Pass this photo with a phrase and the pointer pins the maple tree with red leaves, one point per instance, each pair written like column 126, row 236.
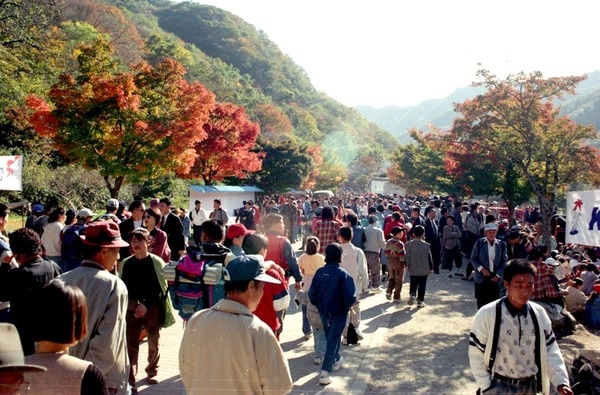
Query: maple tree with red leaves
column 227, row 149
column 514, row 128
column 130, row 126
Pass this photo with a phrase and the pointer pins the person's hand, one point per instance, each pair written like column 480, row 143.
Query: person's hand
column 7, row 257
column 485, row 272
column 181, row 252
column 495, row 278
column 140, row 311
column 297, row 286
column 564, row 390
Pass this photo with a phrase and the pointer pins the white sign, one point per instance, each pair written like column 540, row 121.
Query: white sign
column 11, row 172
column 583, row 218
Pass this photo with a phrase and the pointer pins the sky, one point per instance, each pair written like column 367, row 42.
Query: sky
column 401, row 52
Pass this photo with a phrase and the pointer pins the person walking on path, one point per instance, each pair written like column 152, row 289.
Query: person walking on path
column 512, row 349
column 374, row 244
column 332, row 291
column 489, row 259
column 419, row 264
column 226, row 349
column 394, row 250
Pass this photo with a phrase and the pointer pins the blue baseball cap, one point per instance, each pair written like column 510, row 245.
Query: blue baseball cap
column 247, row 267
column 38, row 208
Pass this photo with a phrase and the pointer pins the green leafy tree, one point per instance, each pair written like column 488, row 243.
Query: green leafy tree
column 128, row 126
column 286, row 165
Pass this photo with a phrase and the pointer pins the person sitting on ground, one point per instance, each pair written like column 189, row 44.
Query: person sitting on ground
column 61, row 322
column 575, row 298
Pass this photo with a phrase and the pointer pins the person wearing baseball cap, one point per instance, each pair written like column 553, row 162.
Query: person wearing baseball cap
column 12, row 362
column 234, row 237
column 106, row 294
column 222, row 364
column 489, row 258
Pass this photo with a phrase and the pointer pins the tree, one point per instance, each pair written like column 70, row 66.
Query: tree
column 128, row 126
column 420, row 167
column 24, row 22
column 516, row 120
column 286, row 165
column 227, row 149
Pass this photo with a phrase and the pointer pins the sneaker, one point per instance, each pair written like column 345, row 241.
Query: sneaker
column 358, row 334
column 411, row 300
column 457, row 274
column 317, row 360
column 338, row 364
column 420, row 304
column 377, row 290
column 324, row 378
column 307, row 335
column 345, row 341
column 388, row 295
column 397, row 300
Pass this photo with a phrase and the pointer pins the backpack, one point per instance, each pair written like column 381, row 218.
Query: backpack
column 195, row 282
column 70, row 247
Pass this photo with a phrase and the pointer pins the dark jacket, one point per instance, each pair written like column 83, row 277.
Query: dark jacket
column 332, row 290
column 175, row 238
column 21, row 287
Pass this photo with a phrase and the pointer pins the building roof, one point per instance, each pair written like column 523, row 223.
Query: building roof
column 223, row 188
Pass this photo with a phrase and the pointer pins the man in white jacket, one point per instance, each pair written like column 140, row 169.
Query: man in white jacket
column 512, row 349
column 355, row 263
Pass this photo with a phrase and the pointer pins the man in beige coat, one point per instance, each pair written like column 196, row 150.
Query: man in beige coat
column 226, row 349
column 419, row 265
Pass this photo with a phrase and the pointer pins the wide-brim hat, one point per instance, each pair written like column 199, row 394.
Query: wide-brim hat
column 11, row 352
column 103, row 234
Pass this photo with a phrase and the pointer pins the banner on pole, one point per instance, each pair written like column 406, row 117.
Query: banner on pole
column 11, row 172
column 583, row 218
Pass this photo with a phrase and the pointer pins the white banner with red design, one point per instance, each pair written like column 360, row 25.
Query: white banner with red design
column 583, row 218
column 11, row 173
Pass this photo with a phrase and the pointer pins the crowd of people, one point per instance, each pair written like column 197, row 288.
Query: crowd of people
column 113, row 265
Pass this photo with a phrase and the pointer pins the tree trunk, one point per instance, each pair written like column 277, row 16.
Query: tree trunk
column 116, row 187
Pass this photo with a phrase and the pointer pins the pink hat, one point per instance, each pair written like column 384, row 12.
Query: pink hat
column 103, row 234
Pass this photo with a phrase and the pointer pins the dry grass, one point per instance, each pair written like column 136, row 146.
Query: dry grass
column 15, row 222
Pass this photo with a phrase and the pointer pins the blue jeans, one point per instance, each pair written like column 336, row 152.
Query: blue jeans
column 305, row 324
column 333, row 327
column 320, row 342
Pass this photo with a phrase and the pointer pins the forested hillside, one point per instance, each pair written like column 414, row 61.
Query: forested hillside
column 584, row 108
column 329, row 145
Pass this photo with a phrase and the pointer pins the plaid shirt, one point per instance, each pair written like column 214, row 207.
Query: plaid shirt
column 545, row 287
column 394, row 250
column 326, row 231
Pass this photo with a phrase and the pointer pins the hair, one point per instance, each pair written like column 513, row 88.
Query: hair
column 71, row 215
column 396, row 216
column 371, row 210
column 419, row 231
column 396, row 230
column 312, row 245
column 197, row 202
column 88, row 251
column 352, row 218
column 60, row 313
column 135, row 205
column 213, row 230
column 333, row 253
column 3, row 210
column 53, row 217
column 271, row 220
column 450, row 218
column 25, row 241
column 590, row 267
column 516, row 267
column 240, row 286
column 372, row 219
column 253, row 243
column 153, row 214
column 444, row 210
column 577, row 281
column 217, row 201
column 140, row 234
column 345, row 232
column 166, row 201
column 327, row 212
column 380, row 208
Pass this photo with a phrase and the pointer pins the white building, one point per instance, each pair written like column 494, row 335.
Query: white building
column 232, row 197
column 383, row 186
